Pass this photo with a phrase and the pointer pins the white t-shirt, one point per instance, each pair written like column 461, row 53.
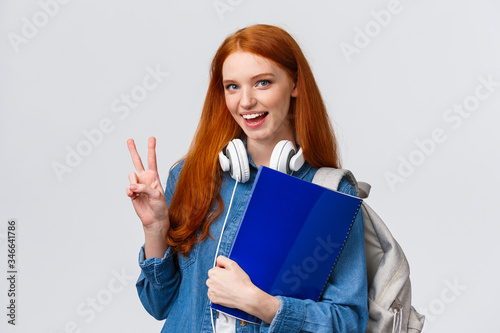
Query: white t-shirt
column 225, row 323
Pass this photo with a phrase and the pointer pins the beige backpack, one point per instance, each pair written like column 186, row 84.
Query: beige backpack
column 388, row 271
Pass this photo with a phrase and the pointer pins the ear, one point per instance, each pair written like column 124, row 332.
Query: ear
column 294, row 91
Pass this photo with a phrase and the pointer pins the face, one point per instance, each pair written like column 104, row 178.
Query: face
column 258, row 94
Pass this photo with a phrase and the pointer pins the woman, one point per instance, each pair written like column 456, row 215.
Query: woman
column 261, row 91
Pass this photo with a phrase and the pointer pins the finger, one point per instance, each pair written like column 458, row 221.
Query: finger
column 133, row 179
column 136, row 159
column 224, row 262
column 131, row 194
column 212, row 272
column 210, row 295
column 145, row 189
column 152, row 153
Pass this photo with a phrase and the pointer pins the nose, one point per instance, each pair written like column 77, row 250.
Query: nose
column 247, row 99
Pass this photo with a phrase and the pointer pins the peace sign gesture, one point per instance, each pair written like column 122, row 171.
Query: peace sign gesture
column 146, row 192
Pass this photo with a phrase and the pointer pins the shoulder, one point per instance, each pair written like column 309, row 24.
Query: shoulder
column 176, row 169
column 173, row 175
column 346, row 187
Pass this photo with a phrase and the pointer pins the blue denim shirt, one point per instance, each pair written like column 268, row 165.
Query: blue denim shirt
column 174, row 287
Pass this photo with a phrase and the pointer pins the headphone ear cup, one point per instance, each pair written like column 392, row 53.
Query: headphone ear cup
column 224, row 162
column 297, row 160
column 235, row 160
column 281, row 156
column 241, row 156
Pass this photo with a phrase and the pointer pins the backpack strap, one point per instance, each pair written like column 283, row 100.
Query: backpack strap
column 331, row 177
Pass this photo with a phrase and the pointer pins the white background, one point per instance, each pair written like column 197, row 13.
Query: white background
column 77, row 231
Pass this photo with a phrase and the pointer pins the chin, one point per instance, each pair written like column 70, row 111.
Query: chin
column 257, row 136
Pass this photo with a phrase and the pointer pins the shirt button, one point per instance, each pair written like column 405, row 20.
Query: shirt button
column 243, row 323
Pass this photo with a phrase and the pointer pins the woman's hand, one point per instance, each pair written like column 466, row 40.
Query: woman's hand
column 148, row 199
column 230, row 286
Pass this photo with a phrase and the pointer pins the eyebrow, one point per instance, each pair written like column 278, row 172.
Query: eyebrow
column 252, row 78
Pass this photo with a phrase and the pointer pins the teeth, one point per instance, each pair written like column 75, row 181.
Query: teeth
column 253, row 115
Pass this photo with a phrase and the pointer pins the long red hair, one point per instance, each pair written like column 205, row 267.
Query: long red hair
column 196, row 202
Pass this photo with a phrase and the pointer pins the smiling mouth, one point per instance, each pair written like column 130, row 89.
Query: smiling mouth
column 254, row 118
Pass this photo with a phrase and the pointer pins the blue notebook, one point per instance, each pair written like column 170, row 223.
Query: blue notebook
column 291, row 236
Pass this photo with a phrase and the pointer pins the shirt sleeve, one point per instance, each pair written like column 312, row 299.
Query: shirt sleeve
column 158, row 284
column 159, row 281
column 343, row 306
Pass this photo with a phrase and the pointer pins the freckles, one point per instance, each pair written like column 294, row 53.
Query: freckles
column 280, row 98
column 230, row 106
column 231, row 101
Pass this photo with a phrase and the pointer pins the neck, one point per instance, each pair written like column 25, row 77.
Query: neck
column 261, row 151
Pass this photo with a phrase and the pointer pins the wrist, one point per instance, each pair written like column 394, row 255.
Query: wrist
column 156, row 229
column 262, row 305
column 155, row 243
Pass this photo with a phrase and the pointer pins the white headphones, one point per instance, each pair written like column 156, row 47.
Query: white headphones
column 284, row 159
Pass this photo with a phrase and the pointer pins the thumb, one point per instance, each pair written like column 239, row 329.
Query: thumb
column 150, row 191
column 224, row 262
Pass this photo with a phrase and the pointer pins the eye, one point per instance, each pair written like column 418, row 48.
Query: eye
column 263, row 83
column 231, row 86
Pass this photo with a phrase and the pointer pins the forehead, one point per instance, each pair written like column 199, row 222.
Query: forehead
column 241, row 63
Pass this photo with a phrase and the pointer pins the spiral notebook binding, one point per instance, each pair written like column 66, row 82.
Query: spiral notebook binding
column 340, row 252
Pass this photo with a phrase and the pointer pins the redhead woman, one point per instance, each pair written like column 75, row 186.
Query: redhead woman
column 261, row 93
